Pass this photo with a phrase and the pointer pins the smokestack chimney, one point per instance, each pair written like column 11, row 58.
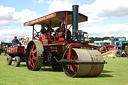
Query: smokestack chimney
column 75, row 16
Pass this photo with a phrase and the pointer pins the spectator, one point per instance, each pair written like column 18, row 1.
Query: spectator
column 15, row 41
column 22, row 42
column 26, row 42
column 5, row 50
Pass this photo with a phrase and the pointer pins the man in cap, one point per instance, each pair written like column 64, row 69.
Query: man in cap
column 15, row 41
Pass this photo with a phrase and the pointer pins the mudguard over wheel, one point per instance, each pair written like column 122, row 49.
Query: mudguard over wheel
column 82, row 69
column 9, row 60
column 34, row 58
column 17, row 61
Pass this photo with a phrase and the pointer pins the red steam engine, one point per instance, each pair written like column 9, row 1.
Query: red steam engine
column 61, row 49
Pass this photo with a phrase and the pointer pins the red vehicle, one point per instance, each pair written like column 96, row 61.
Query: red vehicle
column 60, row 49
column 104, row 46
column 18, row 53
column 107, row 47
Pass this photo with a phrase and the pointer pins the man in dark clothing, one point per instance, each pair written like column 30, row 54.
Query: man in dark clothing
column 49, row 29
column 15, row 42
column 43, row 30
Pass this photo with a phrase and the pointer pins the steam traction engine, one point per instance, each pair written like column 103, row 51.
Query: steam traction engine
column 60, row 49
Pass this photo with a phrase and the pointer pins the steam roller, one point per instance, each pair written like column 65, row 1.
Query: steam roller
column 61, row 49
column 77, row 63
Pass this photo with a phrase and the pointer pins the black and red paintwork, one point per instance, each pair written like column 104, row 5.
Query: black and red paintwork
column 58, row 48
column 57, row 45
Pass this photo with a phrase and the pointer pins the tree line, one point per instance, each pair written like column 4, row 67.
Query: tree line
column 92, row 39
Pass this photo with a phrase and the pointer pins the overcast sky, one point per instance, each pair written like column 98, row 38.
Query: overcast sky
column 105, row 17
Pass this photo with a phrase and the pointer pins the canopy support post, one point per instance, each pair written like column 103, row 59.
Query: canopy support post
column 33, row 33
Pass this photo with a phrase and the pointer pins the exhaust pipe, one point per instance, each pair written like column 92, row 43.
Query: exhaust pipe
column 75, row 21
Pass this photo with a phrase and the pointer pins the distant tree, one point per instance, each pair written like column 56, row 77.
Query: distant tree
column 92, row 39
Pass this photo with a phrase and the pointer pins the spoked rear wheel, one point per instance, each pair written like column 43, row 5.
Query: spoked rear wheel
column 34, row 58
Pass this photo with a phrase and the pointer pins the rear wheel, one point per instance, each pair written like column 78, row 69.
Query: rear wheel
column 34, row 58
column 9, row 60
column 118, row 53
column 17, row 61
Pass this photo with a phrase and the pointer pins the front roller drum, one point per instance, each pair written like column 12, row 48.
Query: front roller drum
column 34, row 58
column 83, row 69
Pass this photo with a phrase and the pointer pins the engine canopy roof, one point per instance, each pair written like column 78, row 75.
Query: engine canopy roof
column 55, row 18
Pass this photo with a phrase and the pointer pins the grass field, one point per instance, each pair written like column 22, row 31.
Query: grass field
column 114, row 73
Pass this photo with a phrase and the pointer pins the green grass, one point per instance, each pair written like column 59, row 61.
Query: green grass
column 114, row 73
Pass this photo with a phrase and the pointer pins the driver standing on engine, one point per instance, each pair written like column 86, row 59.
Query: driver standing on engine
column 43, row 30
